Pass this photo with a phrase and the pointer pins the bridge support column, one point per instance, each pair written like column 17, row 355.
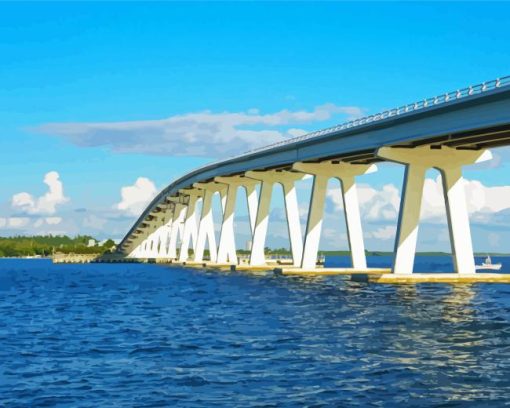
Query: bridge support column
column 140, row 239
column 158, row 236
column 268, row 179
column 146, row 245
column 164, row 239
column 141, row 248
column 293, row 221
column 155, row 237
column 152, row 240
column 346, row 173
column 449, row 162
column 259, row 230
column 253, row 203
column 227, row 247
column 206, row 227
column 164, row 235
column 176, row 230
column 134, row 252
column 353, row 222
column 314, row 222
column 190, row 224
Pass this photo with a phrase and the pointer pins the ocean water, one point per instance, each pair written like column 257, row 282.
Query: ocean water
column 148, row 335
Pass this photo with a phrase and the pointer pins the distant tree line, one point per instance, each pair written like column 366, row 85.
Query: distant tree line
column 46, row 245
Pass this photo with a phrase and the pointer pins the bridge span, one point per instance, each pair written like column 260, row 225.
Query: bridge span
column 445, row 132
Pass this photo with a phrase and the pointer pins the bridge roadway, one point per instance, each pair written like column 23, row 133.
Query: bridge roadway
column 444, row 132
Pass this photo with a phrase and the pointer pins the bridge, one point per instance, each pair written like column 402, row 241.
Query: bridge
column 445, row 132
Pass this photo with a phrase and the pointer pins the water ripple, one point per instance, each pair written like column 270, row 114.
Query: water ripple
column 151, row 336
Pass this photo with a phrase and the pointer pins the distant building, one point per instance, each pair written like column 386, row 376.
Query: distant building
column 248, row 245
column 92, row 243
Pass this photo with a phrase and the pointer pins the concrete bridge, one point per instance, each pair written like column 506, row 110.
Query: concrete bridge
column 445, row 132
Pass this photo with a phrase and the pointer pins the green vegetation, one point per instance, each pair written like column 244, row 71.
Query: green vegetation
column 45, row 245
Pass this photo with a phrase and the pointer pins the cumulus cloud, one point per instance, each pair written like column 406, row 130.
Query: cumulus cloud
column 39, row 222
column 488, row 207
column 385, row 233
column 53, row 220
column 375, row 204
column 136, row 197
column 205, row 134
column 384, row 204
column 481, row 200
column 47, row 203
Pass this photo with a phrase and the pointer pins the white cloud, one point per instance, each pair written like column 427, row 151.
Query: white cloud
column 204, row 134
column 22, row 222
column 384, row 204
column 47, row 203
column 18, row 222
column 53, row 220
column 39, row 213
column 94, row 222
column 136, row 197
column 379, row 204
column 14, row 222
column 375, row 204
column 40, row 222
column 331, row 234
column 296, row 132
column 42, row 215
column 384, row 233
column 480, row 199
column 494, row 239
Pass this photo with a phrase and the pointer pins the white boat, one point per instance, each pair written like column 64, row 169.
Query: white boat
column 488, row 265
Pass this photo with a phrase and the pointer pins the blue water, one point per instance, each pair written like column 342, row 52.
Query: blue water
column 147, row 335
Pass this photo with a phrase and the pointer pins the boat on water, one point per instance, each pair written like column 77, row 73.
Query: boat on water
column 488, row 265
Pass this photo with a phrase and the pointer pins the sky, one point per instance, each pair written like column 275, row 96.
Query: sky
column 104, row 104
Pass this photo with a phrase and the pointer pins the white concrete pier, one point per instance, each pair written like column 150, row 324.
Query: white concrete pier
column 449, row 162
column 346, row 173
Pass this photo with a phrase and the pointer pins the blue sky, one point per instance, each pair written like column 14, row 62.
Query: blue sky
column 137, row 70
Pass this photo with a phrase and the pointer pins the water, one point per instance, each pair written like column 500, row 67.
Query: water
column 148, row 335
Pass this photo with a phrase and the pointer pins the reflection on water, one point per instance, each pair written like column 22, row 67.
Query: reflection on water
column 458, row 305
column 147, row 335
